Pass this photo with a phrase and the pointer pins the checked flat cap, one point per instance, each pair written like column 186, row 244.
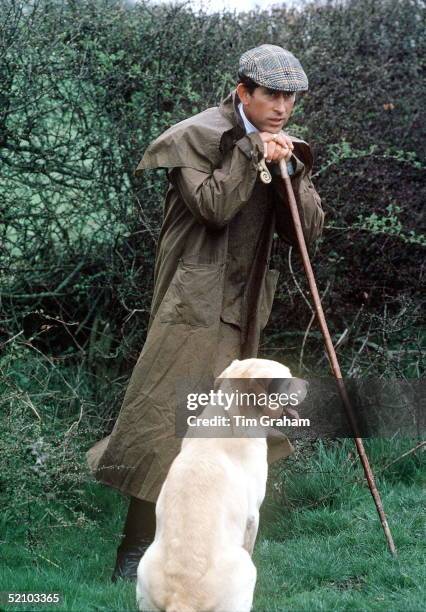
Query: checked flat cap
column 273, row 67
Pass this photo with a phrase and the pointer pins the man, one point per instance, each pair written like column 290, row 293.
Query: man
column 213, row 290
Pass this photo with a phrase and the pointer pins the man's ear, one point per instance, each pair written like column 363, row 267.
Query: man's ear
column 243, row 93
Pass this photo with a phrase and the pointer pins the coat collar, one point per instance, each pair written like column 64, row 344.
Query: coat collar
column 229, row 109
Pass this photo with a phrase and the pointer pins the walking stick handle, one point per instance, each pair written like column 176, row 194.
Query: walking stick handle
column 332, row 353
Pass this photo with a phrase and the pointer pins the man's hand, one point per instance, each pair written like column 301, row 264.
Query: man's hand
column 277, row 146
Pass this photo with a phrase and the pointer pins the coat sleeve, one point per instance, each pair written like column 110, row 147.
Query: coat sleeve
column 214, row 199
column 308, row 203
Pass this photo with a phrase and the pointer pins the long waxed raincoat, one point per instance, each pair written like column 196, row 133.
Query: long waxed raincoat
column 211, row 269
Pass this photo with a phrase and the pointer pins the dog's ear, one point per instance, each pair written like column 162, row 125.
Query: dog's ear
column 225, row 374
column 294, row 388
column 297, row 388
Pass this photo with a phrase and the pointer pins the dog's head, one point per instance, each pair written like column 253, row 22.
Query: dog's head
column 269, row 378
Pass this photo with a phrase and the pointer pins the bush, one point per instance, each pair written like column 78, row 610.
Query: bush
column 84, row 88
column 46, row 425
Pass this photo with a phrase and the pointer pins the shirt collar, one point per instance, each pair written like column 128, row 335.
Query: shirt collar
column 250, row 128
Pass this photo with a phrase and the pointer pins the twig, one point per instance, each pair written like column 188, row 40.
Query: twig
column 305, row 336
column 295, row 280
column 29, row 403
column 70, row 276
column 359, row 352
column 53, row 366
column 76, row 423
column 48, row 560
column 44, row 294
column 412, row 450
column 2, row 344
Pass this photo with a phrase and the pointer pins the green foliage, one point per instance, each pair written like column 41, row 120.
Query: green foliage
column 389, row 225
column 340, row 151
column 84, row 87
column 46, row 425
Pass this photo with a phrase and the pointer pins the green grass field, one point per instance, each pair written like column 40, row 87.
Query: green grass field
column 320, row 546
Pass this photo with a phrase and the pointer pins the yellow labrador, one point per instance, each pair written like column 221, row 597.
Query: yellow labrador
column 208, row 508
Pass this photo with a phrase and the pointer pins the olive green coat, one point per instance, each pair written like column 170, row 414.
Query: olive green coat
column 211, row 266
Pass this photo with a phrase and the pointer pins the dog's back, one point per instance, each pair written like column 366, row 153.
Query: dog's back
column 196, row 531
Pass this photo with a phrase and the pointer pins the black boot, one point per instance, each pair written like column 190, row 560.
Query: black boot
column 139, row 532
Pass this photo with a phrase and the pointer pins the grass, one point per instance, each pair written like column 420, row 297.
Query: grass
column 330, row 559
column 320, row 548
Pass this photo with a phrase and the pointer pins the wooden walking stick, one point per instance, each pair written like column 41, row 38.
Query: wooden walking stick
column 332, row 355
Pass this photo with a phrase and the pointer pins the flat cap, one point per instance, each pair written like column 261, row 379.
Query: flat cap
column 273, row 67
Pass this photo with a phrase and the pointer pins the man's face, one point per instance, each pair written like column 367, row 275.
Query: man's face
column 267, row 109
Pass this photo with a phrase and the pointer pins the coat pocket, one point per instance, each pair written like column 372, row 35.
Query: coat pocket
column 194, row 296
column 267, row 298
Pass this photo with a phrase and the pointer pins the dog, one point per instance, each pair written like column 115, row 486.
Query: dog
column 208, row 508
